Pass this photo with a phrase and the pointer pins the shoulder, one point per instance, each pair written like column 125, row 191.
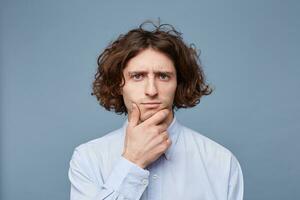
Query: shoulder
column 218, row 159
column 208, row 148
column 109, row 143
column 95, row 157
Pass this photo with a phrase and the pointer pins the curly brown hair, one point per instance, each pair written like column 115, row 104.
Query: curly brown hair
column 109, row 79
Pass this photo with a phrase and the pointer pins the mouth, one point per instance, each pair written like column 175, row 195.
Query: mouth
column 151, row 104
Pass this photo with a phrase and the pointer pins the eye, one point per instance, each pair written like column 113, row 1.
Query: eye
column 164, row 76
column 137, row 77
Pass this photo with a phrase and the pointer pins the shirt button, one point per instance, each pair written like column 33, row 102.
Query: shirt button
column 145, row 181
column 155, row 176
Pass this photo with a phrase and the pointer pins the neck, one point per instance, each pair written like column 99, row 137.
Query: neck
column 170, row 118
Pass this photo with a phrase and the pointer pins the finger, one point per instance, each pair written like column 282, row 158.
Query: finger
column 165, row 136
column 157, row 140
column 168, row 142
column 158, row 117
column 134, row 116
column 162, row 127
column 161, row 138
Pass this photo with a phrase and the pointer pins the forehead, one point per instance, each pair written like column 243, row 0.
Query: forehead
column 150, row 59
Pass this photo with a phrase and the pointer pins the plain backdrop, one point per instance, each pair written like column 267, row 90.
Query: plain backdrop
column 250, row 54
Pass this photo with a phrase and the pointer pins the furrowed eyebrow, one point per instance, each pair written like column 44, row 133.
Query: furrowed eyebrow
column 136, row 72
column 165, row 72
column 156, row 72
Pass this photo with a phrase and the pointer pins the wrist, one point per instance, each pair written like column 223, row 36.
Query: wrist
column 135, row 161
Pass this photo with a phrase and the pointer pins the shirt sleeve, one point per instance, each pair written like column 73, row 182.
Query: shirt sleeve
column 126, row 180
column 236, row 182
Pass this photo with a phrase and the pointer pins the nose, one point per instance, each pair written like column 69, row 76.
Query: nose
column 151, row 89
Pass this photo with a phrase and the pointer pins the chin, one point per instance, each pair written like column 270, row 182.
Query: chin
column 147, row 114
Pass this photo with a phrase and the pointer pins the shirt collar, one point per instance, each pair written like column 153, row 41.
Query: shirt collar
column 174, row 131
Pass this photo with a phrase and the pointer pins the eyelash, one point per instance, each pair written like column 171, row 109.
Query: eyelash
column 135, row 75
column 138, row 75
column 165, row 75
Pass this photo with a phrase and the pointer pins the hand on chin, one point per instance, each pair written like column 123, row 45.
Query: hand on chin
column 147, row 114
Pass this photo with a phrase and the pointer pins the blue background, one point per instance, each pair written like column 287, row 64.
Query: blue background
column 250, row 53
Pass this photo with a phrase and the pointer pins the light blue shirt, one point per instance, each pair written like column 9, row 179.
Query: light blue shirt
column 193, row 168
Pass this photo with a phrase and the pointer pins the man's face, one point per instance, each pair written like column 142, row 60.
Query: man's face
column 150, row 82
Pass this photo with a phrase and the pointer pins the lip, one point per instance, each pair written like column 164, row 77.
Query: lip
column 151, row 104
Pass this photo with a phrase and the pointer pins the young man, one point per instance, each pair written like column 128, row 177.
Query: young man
column 147, row 75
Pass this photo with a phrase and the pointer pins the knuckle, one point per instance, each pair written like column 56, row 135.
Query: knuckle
column 168, row 142
column 162, row 137
column 166, row 136
column 163, row 128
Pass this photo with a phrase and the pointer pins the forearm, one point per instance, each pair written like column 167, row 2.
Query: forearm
column 126, row 181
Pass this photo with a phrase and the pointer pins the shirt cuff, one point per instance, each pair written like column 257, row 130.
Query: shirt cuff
column 128, row 179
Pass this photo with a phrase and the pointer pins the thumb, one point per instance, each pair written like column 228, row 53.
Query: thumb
column 134, row 116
